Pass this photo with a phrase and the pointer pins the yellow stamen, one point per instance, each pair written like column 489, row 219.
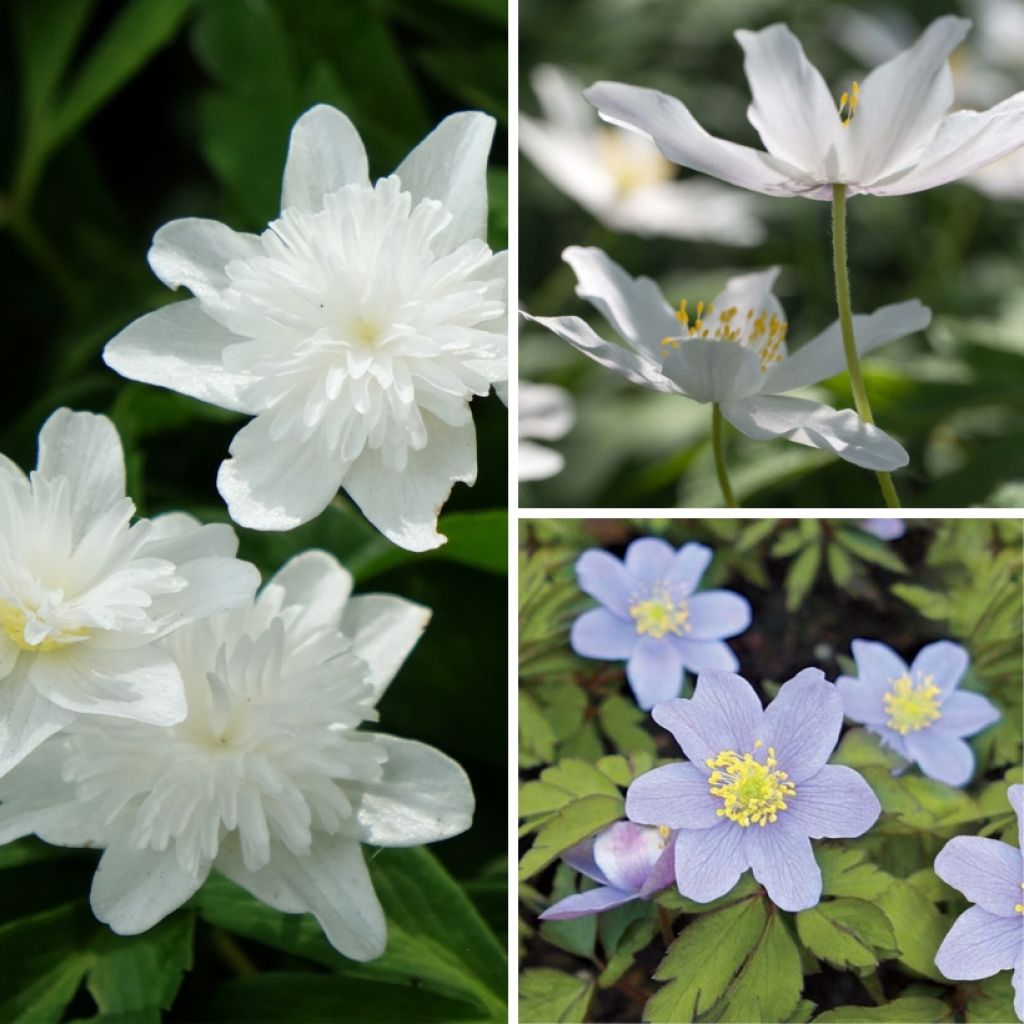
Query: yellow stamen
column 752, row 792
column 912, row 706
column 848, row 104
column 660, row 614
column 13, row 621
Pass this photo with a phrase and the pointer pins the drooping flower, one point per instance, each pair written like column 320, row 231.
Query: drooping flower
column 619, row 176
column 268, row 780
column 653, row 618
column 85, row 592
column 356, row 329
column 884, row 529
column 917, row 710
column 547, row 413
column 988, row 937
column 733, row 352
column 889, row 136
column 628, row 861
column 756, row 788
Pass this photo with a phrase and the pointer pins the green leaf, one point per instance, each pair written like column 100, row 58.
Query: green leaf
column 552, row 997
column 536, row 737
column 840, row 566
column 576, row 935
column 990, row 1000
column 851, row 934
column 623, row 723
column 846, row 872
column 918, row 926
column 870, row 549
column 738, row 964
column 572, row 823
column 861, row 749
column 800, row 576
column 909, row 1009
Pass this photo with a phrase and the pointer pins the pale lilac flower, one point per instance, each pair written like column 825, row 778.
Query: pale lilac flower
column 890, row 136
column 628, row 861
column 756, row 788
column 917, row 709
column 989, row 937
column 546, row 413
column 652, row 617
column 884, row 529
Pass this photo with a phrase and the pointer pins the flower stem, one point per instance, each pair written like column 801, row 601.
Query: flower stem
column 665, row 920
column 842, row 275
column 232, row 954
column 716, row 443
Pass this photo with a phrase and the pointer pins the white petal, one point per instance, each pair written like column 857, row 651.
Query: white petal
column 35, row 798
column 179, row 537
column 569, row 162
column 214, row 585
column 450, row 165
column 194, row 252
column 276, row 484
column 902, row 103
column 141, row 683
column 316, row 586
column 546, row 411
column 405, row 505
column 535, row 462
column 823, row 357
column 634, row 306
column 635, row 368
column 84, row 449
column 714, row 371
column 560, row 95
column 26, row 719
column 325, row 153
column 423, row 797
column 268, row 884
column 835, row 430
column 683, row 141
column 179, row 347
column 792, row 110
column 383, row 629
column 133, row 890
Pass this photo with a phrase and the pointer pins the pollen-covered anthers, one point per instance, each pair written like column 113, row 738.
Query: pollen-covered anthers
column 753, row 792
column 848, row 104
column 659, row 613
column 760, row 331
column 664, row 833
column 912, row 706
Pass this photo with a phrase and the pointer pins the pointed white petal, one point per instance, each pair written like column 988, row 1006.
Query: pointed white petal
column 683, row 141
column 823, row 357
column 26, row 719
column 179, row 347
column 316, row 587
column 535, row 462
column 214, row 585
column 835, row 430
column 194, row 252
column 179, row 537
column 405, row 505
column 383, row 630
column 546, row 411
column 714, row 371
column 325, row 153
column 268, row 884
column 450, row 165
column 560, row 95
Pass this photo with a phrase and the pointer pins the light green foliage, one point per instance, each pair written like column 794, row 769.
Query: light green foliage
column 551, row 997
column 851, row 934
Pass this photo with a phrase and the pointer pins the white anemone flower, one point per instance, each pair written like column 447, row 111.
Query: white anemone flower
column 890, row 135
column 620, row 177
column 733, row 352
column 85, row 591
column 546, row 413
column 268, row 780
column 356, row 329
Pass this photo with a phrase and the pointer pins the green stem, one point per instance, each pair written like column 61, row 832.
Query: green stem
column 232, row 954
column 716, row 444
column 842, row 275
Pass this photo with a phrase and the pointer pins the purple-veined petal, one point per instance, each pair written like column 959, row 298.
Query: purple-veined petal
column 803, row 723
column 582, row 904
column 604, row 578
column 965, row 713
column 986, row 871
column 834, row 803
column 701, row 655
column 862, row 698
column 581, row 858
column 688, row 566
column 600, row 634
column 781, row 858
column 941, row 756
column 648, row 559
column 675, row 795
column 946, row 663
column 724, row 714
column 663, row 873
column 980, row 944
column 709, row 862
column 717, row 613
column 627, row 852
column 654, row 671
column 877, row 661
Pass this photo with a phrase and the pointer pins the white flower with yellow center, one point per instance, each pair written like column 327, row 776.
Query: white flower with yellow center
column 356, row 329
column 85, row 591
column 733, row 353
column 620, row 177
column 268, row 780
column 888, row 135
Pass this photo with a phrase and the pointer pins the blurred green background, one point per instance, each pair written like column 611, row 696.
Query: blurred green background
column 951, row 396
column 116, row 117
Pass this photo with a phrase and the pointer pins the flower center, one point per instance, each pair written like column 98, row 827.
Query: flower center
column 633, row 161
column 912, row 706
column 29, row 631
column 759, row 330
column 848, row 104
column 752, row 792
column 660, row 614
column 366, row 331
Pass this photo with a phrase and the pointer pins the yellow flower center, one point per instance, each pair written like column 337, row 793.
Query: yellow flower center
column 848, row 104
column 660, row 614
column 752, row 792
column 912, row 706
column 633, row 161
column 760, row 331
column 13, row 621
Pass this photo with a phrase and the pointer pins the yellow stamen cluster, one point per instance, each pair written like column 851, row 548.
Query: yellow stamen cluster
column 762, row 331
column 13, row 621
column 848, row 104
column 1019, row 907
column 660, row 614
column 912, row 707
column 753, row 792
